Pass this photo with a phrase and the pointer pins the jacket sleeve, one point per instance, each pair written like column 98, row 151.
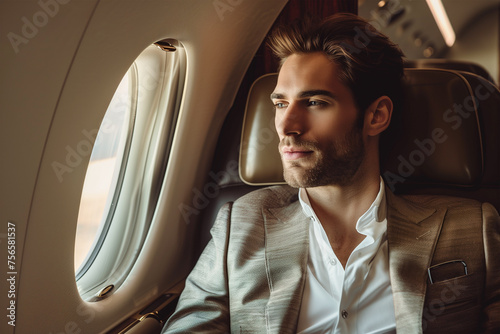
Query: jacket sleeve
column 491, row 235
column 203, row 305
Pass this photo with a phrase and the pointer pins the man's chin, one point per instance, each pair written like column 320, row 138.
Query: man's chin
column 300, row 178
column 295, row 179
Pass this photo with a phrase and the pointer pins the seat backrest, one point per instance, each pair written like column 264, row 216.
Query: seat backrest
column 455, row 65
column 445, row 140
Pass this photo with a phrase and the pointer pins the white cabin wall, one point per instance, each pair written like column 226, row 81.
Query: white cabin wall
column 33, row 70
column 58, row 85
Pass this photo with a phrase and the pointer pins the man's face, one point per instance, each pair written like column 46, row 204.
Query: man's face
column 316, row 120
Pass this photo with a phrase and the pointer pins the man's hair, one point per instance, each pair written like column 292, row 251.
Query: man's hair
column 370, row 64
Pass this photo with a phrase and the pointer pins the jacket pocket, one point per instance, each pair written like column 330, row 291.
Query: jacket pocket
column 453, row 305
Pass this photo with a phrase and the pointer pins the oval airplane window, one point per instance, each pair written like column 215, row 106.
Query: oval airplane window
column 126, row 170
column 104, row 171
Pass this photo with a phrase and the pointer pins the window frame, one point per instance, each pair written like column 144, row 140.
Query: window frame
column 159, row 89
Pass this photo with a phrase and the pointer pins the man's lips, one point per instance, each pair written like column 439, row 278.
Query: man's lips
column 295, row 153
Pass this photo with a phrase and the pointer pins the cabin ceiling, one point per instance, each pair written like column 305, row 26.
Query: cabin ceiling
column 411, row 25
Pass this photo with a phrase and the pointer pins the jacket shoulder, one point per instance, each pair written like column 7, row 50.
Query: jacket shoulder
column 439, row 201
column 275, row 196
column 422, row 206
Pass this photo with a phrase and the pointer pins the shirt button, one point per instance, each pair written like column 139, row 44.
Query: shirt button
column 345, row 314
column 332, row 262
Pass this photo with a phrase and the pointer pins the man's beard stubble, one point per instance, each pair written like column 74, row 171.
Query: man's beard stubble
column 335, row 165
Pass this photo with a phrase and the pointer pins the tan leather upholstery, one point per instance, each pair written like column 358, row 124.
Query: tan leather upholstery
column 455, row 65
column 440, row 137
column 447, row 135
column 260, row 162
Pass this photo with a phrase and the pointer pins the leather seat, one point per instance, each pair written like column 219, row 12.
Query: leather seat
column 445, row 141
column 455, row 65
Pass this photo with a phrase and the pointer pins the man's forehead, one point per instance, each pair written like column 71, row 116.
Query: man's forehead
column 310, row 66
column 304, row 75
column 299, row 61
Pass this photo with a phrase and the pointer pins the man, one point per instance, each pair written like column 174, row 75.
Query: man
column 342, row 254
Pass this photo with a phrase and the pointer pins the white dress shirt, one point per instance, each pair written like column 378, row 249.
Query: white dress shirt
column 359, row 298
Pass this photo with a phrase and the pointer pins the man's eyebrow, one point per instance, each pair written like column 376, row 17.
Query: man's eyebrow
column 316, row 92
column 307, row 93
column 277, row 96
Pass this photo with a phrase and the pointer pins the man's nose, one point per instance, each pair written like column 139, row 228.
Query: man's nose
column 290, row 121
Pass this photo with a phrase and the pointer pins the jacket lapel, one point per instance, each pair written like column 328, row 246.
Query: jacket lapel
column 287, row 248
column 412, row 233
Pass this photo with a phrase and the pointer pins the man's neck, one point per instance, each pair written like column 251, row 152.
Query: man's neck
column 339, row 207
column 345, row 203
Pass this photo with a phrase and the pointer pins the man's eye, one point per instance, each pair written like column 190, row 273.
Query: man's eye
column 280, row 105
column 316, row 103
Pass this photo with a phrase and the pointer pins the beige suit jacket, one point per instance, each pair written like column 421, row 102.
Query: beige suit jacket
column 251, row 275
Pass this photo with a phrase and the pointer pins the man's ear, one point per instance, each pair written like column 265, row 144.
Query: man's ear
column 378, row 116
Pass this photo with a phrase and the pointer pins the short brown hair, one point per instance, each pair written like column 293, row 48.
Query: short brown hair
column 371, row 65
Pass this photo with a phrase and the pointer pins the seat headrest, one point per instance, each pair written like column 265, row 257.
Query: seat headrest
column 437, row 139
column 260, row 161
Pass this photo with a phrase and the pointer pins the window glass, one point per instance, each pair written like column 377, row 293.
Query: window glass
column 103, row 172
